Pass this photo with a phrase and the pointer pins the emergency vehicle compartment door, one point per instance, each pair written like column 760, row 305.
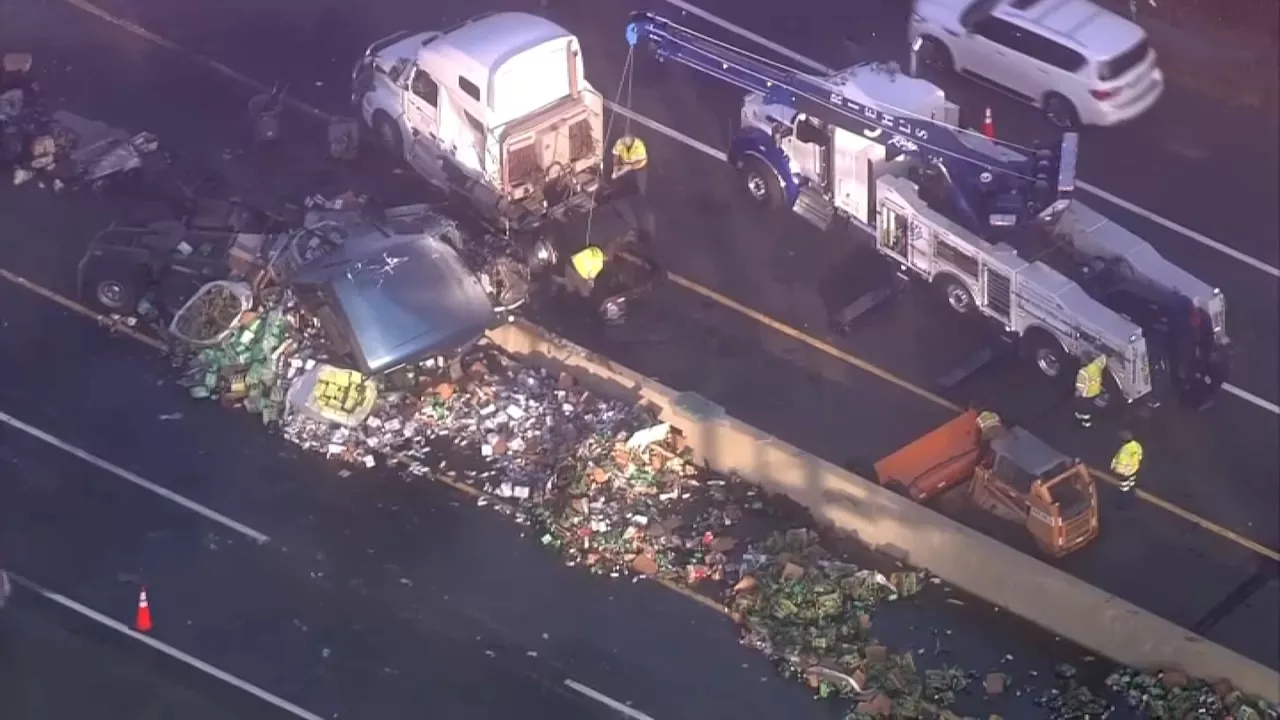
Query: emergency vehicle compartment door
column 852, row 175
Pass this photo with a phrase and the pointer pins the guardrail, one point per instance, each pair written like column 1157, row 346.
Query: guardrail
column 914, row 534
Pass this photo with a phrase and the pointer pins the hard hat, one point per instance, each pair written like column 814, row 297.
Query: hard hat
column 1125, row 435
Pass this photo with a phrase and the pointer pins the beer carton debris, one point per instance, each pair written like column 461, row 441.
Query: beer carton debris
column 611, row 488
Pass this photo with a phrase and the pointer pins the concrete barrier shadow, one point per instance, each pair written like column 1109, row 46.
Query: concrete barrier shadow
column 894, row 525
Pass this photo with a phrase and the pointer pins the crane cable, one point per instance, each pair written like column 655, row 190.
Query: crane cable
column 624, row 84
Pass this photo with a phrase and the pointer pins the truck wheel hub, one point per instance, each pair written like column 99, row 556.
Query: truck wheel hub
column 111, row 293
column 958, row 298
column 757, row 186
column 1047, row 361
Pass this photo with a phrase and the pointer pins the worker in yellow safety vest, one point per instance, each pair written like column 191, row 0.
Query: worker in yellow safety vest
column 1088, row 388
column 1127, row 461
column 631, row 162
column 583, row 268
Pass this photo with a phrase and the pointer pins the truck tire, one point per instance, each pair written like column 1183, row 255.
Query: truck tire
column 934, row 55
column 115, row 290
column 956, row 295
column 1061, row 112
column 388, row 135
column 1048, row 356
column 761, row 183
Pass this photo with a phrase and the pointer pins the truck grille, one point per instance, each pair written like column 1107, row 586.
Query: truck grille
column 1075, row 530
column 582, row 143
column 523, row 166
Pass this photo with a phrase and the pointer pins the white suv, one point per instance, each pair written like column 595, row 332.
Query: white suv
column 1081, row 63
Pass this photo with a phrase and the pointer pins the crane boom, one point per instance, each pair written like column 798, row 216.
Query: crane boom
column 1043, row 181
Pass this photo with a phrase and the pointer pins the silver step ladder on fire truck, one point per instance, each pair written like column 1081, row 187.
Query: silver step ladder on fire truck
column 940, row 203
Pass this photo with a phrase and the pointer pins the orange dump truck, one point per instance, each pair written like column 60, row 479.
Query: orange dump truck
column 1010, row 473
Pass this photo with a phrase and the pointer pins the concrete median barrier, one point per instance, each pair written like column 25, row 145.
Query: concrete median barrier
column 893, row 524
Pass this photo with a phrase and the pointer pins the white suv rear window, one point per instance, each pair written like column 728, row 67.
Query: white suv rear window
column 1124, row 62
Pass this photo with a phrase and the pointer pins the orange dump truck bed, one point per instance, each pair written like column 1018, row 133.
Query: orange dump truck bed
column 935, row 462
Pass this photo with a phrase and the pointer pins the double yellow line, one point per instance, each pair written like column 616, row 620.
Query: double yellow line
column 683, row 282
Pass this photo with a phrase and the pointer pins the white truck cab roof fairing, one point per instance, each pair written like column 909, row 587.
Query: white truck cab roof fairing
column 517, row 62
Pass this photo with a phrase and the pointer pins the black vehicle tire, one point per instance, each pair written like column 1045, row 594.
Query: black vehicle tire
column 761, row 183
column 1061, row 112
column 956, row 295
column 388, row 136
column 1049, row 357
column 115, row 290
column 934, row 55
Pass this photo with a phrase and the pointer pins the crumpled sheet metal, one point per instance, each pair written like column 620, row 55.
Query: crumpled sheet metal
column 611, row 489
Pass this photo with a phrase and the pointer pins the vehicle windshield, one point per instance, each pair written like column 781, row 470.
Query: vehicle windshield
column 1124, row 62
column 977, row 12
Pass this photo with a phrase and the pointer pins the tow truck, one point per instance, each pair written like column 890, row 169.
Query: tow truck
column 1010, row 473
column 496, row 111
column 996, row 231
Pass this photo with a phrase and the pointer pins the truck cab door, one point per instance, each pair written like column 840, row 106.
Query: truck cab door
column 421, row 117
column 810, row 150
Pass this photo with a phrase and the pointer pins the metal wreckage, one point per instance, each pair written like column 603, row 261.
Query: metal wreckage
column 357, row 332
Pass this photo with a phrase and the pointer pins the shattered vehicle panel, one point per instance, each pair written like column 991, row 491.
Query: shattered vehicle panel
column 393, row 292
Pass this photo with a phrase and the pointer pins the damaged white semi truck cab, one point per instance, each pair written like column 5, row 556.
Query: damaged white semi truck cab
column 497, row 108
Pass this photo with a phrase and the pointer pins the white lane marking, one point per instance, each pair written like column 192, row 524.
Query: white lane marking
column 169, row 650
column 669, row 132
column 133, row 478
column 626, row 112
column 1250, row 397
column 606, row 700
column 1118, row 201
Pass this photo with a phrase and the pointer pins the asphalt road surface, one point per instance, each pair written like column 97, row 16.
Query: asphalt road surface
column 56, row 664
column 1207, row 168
column 424, row 641
column 373, row 597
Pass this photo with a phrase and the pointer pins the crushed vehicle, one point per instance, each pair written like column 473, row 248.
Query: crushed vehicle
column 388, row 285
column 169, row 260
column 497, row 111
column 395, row 289
column 1010, row 473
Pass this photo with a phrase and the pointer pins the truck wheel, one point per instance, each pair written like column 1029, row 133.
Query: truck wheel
column 956, row 294
column 761, row 183
column 388, row 135
column 116, row 290
column 936, row 56
column 1050, row 358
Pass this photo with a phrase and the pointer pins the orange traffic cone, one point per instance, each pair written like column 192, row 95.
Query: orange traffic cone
column 988, row 124
column 143, row 622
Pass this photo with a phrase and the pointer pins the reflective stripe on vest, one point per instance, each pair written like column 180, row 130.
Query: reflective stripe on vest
column 589, row 262
column 988, row 420
column 1127, row 460
column 1089, row 378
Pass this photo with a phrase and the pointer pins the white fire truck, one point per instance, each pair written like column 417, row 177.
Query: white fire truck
column 496, row 110
column 994, row 229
